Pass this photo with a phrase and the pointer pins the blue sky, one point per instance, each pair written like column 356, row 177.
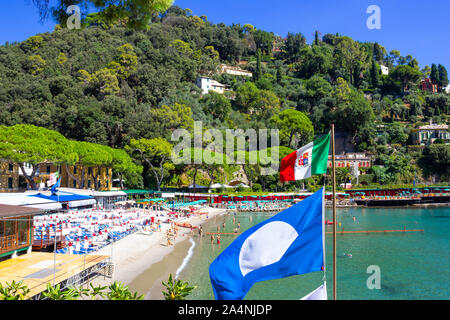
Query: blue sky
column 420, row 28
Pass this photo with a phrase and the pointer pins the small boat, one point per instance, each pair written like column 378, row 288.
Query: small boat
column 328, row 222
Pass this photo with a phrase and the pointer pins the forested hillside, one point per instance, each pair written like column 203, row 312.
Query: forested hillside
column 109, row 84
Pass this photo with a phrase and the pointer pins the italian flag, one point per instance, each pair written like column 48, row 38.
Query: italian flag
column 307, row 161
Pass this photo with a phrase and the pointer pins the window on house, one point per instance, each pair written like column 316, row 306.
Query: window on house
column 11, row 167
column 74, row 169
column 74, row 183
column 48, row 169
column 89, row 183
column 89, row 170
column 10, row 183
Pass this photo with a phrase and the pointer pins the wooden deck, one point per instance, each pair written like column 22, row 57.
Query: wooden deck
column 36, row 269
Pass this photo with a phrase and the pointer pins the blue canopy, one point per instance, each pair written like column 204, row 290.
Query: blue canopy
column 62, row 197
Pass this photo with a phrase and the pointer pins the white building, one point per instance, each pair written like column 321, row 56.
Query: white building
column 384, row 70
column 207, row 84
column 447, row 88
column 235, row 71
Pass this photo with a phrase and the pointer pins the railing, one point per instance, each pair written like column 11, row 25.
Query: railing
column 9, row 243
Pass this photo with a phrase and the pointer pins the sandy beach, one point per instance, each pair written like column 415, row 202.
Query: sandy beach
column 133, row 255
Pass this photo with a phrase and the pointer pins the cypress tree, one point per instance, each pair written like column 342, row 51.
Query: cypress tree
column 258, row 65
column 434, row 75
column 443, row 76
column 374, row 74
column 316, row 38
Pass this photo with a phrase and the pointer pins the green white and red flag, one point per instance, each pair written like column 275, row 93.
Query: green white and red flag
column 307, row 161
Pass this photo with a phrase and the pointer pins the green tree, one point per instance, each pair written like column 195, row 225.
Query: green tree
column 407, row 75
column 125, row 168
column 34, row 145
column 374, row 75
column 217, row 105
column 136, row 13
column 264, row 40
column 293, row 124
column 156, row 153
column 348, row 55
column 36, row 64
column 434, row 161
column 258, row 74
column 292, row 46
column 443, row 77
column 434, row 75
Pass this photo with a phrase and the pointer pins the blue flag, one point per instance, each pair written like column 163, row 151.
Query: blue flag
column 287, row 244
column 56, row 185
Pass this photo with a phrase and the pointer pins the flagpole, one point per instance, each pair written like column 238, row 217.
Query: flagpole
column 334, row 210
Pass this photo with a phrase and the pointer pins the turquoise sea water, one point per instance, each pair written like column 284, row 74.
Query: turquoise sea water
column 413, row 265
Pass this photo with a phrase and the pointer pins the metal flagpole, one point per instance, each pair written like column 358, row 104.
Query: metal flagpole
column 334, row 211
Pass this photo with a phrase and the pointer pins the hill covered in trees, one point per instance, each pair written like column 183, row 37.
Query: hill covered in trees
column 111, row 84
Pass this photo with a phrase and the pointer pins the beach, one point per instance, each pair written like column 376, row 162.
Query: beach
column 133, row 255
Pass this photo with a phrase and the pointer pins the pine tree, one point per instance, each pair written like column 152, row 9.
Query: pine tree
column 434, row 75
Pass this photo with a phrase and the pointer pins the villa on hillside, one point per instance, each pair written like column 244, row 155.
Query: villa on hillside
column 384, row 70
column 207, row 84
column 427, row 85
column 235, row 71
column 351, row 159
column 428, row 134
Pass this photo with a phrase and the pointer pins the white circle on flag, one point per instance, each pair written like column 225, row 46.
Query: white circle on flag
column 266, row 246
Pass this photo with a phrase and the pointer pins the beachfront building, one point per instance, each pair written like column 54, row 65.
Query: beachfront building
column 103, row 181
column 16, row 230
column 344, row 160
column 425, row 135
column 9, row 177
column 12, row 178
column 235, row 71
column 208, row 84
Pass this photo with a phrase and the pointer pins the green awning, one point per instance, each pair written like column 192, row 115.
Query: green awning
column 138, row 191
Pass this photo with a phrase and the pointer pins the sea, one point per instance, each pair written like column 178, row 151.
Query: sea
column 409, row 265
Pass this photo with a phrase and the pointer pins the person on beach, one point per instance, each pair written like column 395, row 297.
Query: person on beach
column 218, row 239
column 239, row 225
column 218, row 228
column 212, row 238
column 235, row 230
column 223, row 225
column 354, row 219
column 169, row 243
